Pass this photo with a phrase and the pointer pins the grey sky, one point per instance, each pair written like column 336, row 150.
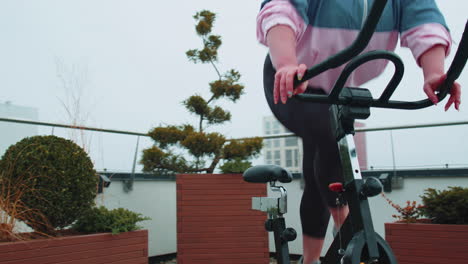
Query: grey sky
column 133, row 52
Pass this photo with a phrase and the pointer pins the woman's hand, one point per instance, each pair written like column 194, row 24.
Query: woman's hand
column 432, row 83
column 284, row 82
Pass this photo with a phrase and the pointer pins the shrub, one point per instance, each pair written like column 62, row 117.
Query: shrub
column 448, row 206
column 100, row 219
column 60, row 178
column 235, row 166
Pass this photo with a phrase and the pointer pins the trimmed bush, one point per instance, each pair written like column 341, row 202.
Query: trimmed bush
column 236, row 165
column 447, row 206
column 60, row 178
column 100, row 219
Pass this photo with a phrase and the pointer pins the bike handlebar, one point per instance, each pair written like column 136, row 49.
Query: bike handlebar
column 351, row 54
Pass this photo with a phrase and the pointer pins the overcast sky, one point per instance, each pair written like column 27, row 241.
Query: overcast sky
column 134, row 73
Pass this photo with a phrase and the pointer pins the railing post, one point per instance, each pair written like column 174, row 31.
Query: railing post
column 128, row 184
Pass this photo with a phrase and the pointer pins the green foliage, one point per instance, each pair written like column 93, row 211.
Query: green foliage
column 100, row 220
column 197, row 105
column 236, row 165
column 60, row 178
column 209, row 53
column 217, row 115
column 203, row 146
column 242, row 148
column 448, row 206
column 205, row 20
column 227, row 86
column 170, row 135
column 157, row 161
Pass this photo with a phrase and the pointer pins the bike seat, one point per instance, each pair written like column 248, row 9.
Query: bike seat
column 267, row 173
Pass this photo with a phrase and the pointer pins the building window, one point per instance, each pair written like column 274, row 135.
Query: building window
column 276, row 127
column 296, row 158
column 267, row 143
column 289, row 158
column 268, row 157
column 276, row 143
column 277, row 158
column 290, row 141
column 267, row 128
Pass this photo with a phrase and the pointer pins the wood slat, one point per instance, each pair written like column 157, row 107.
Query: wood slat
column 69, row 240
column 215, row 222
column 96, row 248
column 428, row 243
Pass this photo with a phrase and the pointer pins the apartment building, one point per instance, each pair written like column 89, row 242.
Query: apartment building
column 287, row 151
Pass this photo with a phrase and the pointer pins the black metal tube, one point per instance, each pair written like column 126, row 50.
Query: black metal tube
column 282, row 249
column 359, row 44
column 366, row 57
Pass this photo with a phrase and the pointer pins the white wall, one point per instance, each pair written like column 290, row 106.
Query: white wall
column 157, row 199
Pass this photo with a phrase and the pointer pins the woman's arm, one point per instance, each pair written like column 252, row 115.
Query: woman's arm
column 281, row 42
column 432, row 63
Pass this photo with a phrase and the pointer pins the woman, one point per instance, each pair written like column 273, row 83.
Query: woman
column 302, row 33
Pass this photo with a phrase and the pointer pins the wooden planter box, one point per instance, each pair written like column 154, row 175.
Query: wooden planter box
column 124, row 248
column 428, row 243
column 215, row 222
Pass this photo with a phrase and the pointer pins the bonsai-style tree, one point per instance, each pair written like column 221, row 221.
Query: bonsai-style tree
column 207, row 149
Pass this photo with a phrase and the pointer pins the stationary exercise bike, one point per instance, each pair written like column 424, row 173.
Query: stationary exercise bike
column 356, row 242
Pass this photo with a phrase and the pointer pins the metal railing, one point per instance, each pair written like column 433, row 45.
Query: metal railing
column 30, row 122
column 126, row 132
column 283, row 135
column 360, row 130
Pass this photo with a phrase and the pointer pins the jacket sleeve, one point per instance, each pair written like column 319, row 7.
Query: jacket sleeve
column 279, row 12
column 422, row 26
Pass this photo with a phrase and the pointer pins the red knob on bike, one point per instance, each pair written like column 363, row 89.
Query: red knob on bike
column 336, row 187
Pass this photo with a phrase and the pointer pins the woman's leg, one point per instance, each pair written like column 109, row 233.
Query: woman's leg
column 339, row 215
column 312, row 249
column 303, row 119
column 312, row 246
column 328, row 168
column 314, row 211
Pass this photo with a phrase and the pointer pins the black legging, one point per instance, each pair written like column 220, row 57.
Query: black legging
column 321, row 162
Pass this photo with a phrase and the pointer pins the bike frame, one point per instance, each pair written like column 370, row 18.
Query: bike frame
column 357, row 233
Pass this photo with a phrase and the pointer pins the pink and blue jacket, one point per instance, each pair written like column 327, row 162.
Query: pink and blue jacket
column 325, row 27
